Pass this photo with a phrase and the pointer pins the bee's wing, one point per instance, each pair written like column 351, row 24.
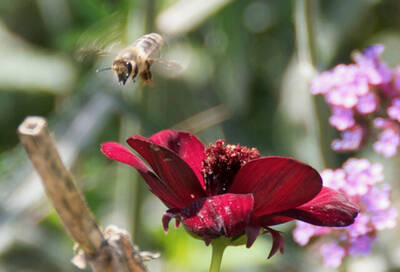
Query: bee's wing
column 103, row 38
column 169, row 68
column 98, row 51
column 169, row 65
column 149, row 44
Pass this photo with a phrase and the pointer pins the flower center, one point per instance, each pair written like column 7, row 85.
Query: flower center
column 221, row 164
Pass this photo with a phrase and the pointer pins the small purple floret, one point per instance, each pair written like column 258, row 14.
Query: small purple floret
column 359, row 92
column 358, row 179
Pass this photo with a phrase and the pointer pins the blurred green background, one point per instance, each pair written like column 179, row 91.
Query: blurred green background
column 247, row 68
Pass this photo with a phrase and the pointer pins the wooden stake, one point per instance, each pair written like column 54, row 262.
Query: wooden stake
column 102, row 254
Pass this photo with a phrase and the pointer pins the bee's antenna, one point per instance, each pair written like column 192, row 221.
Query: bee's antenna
column 103, row 69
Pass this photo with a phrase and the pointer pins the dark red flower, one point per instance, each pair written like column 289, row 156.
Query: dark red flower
column 229, row 190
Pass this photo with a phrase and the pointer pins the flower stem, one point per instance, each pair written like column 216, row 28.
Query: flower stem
column 305, row 19
column 218, row 249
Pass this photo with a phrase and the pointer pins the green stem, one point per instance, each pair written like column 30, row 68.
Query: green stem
column 216, row 258
column 305, row 19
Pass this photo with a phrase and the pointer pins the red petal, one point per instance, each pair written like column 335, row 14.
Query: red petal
column 168, row 216
column 172, row 170
column 329, row 208
column 277, row 242
column 277, row 184
column 119, row 153
column 252, row 233
column 186, row 145
column 218, row 215
column 271, row 219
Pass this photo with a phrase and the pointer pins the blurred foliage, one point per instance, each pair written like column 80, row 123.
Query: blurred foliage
column 239, row 54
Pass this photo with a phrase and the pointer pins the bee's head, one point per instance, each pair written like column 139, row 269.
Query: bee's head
column 124, row 68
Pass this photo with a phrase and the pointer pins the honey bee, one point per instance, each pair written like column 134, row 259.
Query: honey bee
column 136, row 59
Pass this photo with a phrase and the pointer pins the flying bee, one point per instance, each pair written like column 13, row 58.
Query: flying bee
column 136, row 58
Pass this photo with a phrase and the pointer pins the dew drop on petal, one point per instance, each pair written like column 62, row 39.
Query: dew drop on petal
column 155, row 147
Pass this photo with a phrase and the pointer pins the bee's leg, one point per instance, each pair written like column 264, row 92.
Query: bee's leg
column 149, row 75
column 146, row 77
column 135, row 73
column 149, row 62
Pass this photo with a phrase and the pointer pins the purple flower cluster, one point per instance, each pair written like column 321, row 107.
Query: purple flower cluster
column 357, row 179
column 359, row 92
